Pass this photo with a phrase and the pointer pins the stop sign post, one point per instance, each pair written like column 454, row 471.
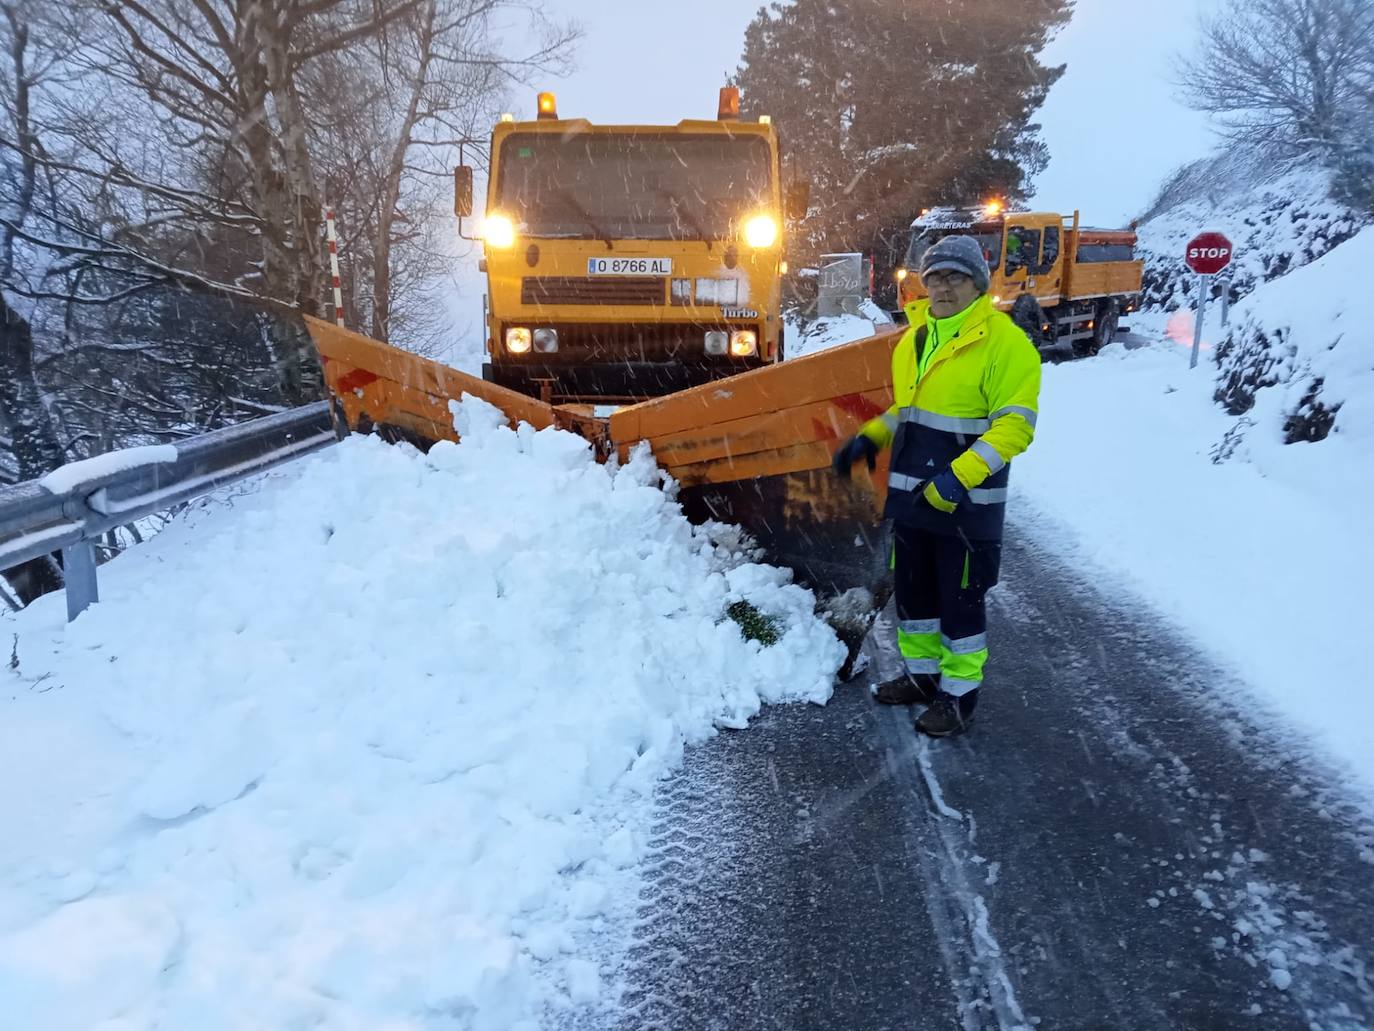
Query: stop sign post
column 1206, row 254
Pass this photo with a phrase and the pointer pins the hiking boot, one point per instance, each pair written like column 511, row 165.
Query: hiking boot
column 909, row 689
column 948, row 715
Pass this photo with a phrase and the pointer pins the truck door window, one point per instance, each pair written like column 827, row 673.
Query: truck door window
column 988, row 237
column 1050, row 253
column 1023, row 249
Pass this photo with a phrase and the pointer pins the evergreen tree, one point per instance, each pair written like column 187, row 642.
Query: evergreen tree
column 890, row 106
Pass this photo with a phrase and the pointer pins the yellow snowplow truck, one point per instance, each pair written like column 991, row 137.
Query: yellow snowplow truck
column 627, row 262
column 1060, row 282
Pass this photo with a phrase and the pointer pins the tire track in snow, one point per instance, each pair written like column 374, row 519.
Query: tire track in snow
column 973, row 959
column 783, row 896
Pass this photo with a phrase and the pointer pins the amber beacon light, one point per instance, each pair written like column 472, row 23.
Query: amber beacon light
column 548, row 106
column 728, row 111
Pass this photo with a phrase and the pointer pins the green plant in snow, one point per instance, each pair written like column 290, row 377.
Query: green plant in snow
column 755, row 625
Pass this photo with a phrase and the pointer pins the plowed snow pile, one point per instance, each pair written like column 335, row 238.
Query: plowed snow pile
column 372, row 747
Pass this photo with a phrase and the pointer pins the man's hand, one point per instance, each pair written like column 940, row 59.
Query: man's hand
column 945, row 492
column 856, row 447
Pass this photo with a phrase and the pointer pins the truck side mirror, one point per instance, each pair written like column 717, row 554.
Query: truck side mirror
column 797, row 200
column 462, row 191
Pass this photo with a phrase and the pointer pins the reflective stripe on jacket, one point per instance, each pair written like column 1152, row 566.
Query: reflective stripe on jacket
column 973, row 409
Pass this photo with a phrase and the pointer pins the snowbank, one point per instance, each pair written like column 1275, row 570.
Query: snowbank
column 819, row 334
column 1264, row 559
column 373, row 747
column 1299, row 358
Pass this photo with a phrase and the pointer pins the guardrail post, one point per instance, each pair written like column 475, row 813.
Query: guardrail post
column 78, row 568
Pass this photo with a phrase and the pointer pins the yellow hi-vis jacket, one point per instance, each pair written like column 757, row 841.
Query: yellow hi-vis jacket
column 972, row 409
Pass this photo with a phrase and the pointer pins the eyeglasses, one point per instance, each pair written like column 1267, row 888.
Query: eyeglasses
column 951, row 279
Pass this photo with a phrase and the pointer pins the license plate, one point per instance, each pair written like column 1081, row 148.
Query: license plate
column 629, row 266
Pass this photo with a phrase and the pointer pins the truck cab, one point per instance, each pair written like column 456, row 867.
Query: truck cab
column 626, row 261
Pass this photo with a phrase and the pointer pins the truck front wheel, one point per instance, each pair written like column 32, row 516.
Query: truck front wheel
column 1030, row 317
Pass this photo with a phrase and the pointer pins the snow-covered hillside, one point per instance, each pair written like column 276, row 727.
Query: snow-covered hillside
column 1278, row 215
column 1300, row 258
column 372, row 746
column 1263, row 548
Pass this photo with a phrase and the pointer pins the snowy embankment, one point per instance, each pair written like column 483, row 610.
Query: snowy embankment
column 1299, row 358
column 374, row 745
column 1262, row 558
column 1299, row 259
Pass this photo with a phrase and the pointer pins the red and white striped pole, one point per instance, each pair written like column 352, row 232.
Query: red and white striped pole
column 334, row 263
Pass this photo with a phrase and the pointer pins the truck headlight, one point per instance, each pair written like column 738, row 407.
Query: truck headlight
column 546, row 341
column 518, row 340
column 499, row 232
column 761, row 231
column 717, row 342
column 743, row 343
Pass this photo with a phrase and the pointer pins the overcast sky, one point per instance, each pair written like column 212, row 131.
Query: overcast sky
column 649, row 61
column 1112, row 123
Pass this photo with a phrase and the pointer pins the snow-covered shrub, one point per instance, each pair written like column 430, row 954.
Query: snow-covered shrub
column 1299, row 358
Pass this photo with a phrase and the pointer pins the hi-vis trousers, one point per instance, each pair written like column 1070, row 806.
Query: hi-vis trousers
column 940, row 582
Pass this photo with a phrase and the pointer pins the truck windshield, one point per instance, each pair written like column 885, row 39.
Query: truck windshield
column 642, row 186
column 989, row 236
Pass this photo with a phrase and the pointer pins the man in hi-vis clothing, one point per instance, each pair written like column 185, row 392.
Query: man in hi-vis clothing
column 967, row 383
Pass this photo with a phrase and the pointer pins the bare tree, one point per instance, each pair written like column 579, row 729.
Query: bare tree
column 436, row 80
column 33, row 440
column 1292, row 73
column 162, row 169
column 193, row 151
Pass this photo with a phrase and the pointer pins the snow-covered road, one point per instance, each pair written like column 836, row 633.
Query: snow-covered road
column 1115, row 844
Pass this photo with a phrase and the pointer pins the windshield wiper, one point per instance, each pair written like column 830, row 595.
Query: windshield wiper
column 680, row 207
column 586, row 216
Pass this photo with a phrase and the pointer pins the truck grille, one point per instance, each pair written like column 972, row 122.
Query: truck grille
column 593, row 290
column 610, row 343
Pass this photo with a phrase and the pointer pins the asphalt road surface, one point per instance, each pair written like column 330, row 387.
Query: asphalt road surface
column 1120, row 842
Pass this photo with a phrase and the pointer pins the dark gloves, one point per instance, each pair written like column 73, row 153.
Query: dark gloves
column 944, row 493
column 851, row 451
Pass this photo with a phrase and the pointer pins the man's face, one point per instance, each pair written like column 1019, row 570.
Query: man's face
column 950, row 292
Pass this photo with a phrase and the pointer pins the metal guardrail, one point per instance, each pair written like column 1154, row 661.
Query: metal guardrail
column 35, row 520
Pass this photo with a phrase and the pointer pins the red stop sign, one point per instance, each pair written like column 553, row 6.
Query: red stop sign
column 1208, row 253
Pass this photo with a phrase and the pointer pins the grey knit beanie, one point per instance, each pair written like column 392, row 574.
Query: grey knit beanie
column 960, row 254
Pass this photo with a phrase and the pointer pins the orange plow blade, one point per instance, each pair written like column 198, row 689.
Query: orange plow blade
column 402, row 395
